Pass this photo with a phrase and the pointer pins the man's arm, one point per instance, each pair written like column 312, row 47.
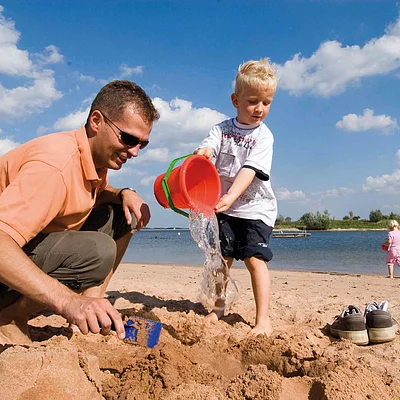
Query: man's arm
column 18, row 272
column 131, row 203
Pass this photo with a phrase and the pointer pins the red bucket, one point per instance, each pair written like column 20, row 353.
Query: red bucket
column 194, row 185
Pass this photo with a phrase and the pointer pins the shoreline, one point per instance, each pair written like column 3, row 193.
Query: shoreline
column 270, row 269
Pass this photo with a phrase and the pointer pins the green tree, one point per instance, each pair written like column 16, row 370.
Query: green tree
column 316, row 221
column 394, row 216
column 375, row 216
column 288, row 220
column 280, row 220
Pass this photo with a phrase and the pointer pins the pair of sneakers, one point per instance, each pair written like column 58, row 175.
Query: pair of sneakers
column 376, row 325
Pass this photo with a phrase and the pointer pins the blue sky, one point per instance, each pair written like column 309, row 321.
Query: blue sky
column 335, row 116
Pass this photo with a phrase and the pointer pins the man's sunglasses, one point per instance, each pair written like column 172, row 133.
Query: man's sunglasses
column 126, row 138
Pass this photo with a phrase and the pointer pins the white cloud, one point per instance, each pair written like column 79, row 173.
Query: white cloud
column 123, row 172
column 148, row 180
column 86, row 78
column 13, row 61
column 24, row 100
column 387, row 183
column 72, row 121
column 39, row 91
column 367, row 121
column 155, row 155
column 50, row 55
column 180, row 123
column 126, row 71
column 284, row 194
column 334, row 66
column 7, row 145
column 342, row 191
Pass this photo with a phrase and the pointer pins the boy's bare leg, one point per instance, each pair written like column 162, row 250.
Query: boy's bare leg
column 261, row 289
column 14, row 321
column 390, row 271
column 219, row 306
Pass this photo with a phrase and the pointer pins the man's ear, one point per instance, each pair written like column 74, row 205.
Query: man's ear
column 234, row 99
column 95, row 121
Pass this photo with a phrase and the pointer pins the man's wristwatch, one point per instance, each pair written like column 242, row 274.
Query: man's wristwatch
column 126, row 188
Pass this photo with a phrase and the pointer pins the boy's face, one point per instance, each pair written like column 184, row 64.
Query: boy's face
column 253, row 104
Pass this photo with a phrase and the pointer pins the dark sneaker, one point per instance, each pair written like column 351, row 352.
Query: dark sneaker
column 350, row 324
column 380, row 324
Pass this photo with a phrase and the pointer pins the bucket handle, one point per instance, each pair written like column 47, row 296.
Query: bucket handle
column 165, row 187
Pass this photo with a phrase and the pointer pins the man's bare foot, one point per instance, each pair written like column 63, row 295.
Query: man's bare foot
column 14, row 333
column 390, row 277
column 262, row 328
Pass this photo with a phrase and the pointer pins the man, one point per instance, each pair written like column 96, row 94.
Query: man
column 63, row 229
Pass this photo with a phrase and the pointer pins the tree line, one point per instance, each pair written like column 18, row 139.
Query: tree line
column 323, row 221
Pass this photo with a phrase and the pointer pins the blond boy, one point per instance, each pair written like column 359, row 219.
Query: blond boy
column 242, row 148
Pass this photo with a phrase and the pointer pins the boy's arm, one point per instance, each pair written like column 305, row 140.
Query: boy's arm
column 210, row 146
column 240, row 184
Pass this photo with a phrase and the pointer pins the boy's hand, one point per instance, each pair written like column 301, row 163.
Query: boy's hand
column 225, row 202
column 204, row 151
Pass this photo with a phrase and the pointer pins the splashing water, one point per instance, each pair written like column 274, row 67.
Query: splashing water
column 217, row 283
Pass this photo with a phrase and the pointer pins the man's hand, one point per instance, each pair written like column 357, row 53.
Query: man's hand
column 133, row 203
column 93, row 315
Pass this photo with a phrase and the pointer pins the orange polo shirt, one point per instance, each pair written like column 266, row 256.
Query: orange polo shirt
column 48, row 184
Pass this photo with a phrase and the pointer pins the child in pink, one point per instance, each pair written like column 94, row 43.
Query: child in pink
column 393, row 243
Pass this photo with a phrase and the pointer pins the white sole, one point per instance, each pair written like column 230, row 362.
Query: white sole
column 356, row 337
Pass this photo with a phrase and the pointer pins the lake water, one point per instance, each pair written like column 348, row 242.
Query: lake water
column 337, row 251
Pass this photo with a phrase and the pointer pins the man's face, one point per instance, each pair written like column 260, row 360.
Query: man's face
column 110, row 149
column 253, row 104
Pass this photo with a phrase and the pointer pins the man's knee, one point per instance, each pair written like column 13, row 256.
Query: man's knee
column 100, row 259
column 79, row 260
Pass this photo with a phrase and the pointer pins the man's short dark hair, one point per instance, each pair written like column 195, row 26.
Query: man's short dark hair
column 117, row 95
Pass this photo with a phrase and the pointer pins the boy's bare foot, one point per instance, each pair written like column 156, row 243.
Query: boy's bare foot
column 14, row 333
column 262, row 328
column 215, row 315
column 390, row 277
column 217, row 312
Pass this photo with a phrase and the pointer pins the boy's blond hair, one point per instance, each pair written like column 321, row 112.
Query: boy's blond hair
column 393, row 224
column 255, row 74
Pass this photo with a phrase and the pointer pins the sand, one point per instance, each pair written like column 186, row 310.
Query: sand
column 195, row 361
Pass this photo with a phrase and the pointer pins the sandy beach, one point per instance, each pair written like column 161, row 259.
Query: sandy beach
column 217, row 361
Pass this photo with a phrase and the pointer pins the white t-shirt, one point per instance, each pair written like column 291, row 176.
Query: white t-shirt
column 236, row 145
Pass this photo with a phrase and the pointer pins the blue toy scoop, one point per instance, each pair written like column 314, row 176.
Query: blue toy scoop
column 143, row 331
